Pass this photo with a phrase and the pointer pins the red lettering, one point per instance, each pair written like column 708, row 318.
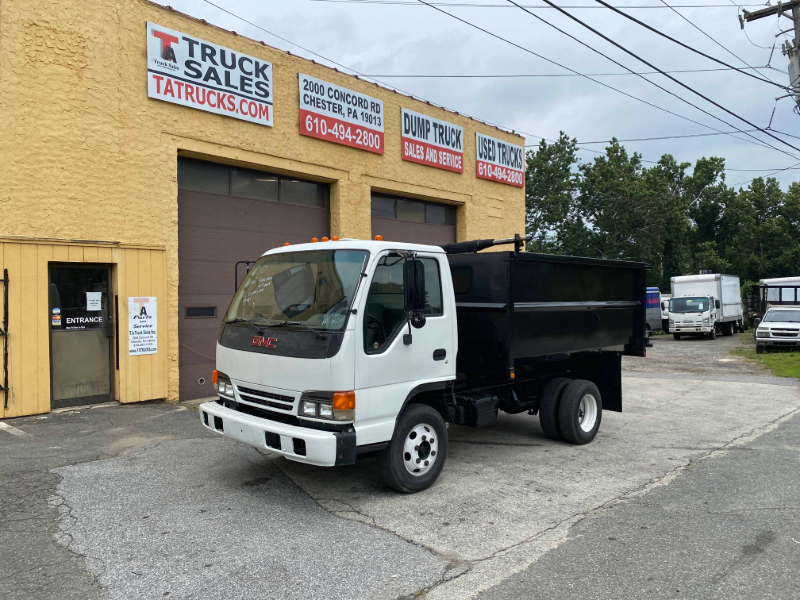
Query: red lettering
column 212, row 94
column 180, row 85
column 263, row 111
column 201, row 95
column 253, row 110
column 190, row 92
column 231, row 103
column 168, row 88
column 166, row 39
column 158, row 79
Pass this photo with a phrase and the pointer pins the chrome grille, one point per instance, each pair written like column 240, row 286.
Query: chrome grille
column 785, row 333
column 268, row 399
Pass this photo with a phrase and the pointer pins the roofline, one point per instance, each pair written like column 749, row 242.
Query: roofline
column 362, row 79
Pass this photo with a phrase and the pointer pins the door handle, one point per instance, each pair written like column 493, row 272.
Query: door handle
column 439, row 354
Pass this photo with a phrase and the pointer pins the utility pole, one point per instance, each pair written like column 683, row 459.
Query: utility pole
column 789, row 48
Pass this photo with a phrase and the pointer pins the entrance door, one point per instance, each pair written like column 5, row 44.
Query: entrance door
column 81, row 333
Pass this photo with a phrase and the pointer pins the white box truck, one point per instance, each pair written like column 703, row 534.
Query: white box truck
column 705, row 305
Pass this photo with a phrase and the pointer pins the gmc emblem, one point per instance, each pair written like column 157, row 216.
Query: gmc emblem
column 263, row 342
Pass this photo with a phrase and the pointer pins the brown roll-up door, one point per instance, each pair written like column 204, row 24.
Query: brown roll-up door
column 406, row 220
column 215, row 231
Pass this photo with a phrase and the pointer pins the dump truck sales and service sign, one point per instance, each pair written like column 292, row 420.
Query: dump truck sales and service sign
column 500, row 161
column 195, row 73
column 432, row 142
column 336, row 114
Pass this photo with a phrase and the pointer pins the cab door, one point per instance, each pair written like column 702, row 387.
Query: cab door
column 393, row 358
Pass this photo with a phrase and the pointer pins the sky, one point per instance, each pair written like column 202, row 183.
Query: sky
column 387, row 38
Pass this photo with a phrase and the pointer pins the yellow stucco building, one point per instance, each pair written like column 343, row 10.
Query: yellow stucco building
column 120, row 192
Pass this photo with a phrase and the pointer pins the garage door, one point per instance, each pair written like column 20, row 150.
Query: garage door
column 405, row 220
column 226, row 215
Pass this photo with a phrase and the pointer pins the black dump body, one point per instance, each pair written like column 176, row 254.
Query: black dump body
column 536, row 315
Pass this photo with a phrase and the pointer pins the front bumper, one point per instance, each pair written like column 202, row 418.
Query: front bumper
column 301, row 444
column 691, row 328
column 778, row 342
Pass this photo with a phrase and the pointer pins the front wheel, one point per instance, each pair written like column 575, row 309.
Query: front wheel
column 713, row 334
column 415, row 456
column 677, row 336
column 760, row 349
column 580, row 411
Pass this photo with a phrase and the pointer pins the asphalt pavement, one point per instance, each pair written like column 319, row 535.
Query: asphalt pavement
column 695, row 482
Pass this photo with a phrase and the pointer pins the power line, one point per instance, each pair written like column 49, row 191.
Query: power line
column 595, row 50
column 529, row 51
column 672, row 39
column 689, row 88
column 794, row 166
column 711, row 38
column 669, row 137
column 512, row 75
column 536, row 7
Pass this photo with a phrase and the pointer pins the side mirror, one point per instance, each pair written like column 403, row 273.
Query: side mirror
column 663, row 306
column 716, row 303
column 414, row 285
column 757, row 322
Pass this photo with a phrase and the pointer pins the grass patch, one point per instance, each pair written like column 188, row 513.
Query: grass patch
column 781, row 364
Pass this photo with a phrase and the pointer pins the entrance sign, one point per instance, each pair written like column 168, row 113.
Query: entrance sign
column 142, row 326
column 185, row 70
column 500, row 161
column 432, row 142
column 336, row 114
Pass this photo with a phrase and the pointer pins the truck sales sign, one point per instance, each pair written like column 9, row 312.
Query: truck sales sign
column 432, row 142
column 336, row 114
column 500, row 161
column 195, row 73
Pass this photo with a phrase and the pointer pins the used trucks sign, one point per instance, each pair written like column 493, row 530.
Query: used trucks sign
column 432, row 142
column 500, row 161
column 184, row 70
column 336, row 114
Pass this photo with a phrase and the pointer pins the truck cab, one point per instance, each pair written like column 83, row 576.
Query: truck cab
column 693, row 315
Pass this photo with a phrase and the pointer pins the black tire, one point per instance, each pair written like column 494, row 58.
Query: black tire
column 759, row 349
column 569, row 411
column 647, row 331
column 727, row 329
column 713, row 334
column 391, row 462
column 677, row 336
column 548, row 407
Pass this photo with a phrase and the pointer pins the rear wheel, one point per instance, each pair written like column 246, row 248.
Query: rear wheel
column 548, row 407
column 677, row 336
column 580, row 411
column 415, row 456
column 727, row 329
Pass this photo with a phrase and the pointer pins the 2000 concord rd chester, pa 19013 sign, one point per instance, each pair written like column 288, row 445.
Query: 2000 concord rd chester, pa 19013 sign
column 336, row 114
column 500, row 161
column 195, row 73
column 432, row 142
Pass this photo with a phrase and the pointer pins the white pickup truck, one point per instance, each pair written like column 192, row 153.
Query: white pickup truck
column 336, row 349
column 779, row 329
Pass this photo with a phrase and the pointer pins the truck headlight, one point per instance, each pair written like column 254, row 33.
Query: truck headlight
column 761, row 332
column 222, row 385
column 705, row 321
column 331, row 406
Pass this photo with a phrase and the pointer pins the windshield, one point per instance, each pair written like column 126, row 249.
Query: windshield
column 688, row 305
column 311, row 288
column 785, row 316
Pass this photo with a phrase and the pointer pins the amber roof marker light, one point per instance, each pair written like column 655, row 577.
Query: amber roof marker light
column 378, row 238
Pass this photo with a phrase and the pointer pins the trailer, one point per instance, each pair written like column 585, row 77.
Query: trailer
column 778, row 291
column 334, row 350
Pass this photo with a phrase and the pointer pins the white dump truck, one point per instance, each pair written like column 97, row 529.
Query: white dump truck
column 339, row 349
column 705, row 305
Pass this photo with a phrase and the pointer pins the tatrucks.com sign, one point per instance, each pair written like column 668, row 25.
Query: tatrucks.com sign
column 339, row 115
column 500, row 161
column 432, row 142
column 142, row 326
column 184, row 70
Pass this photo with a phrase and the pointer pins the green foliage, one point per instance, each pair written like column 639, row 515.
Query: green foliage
column 781, row 364
column 679, row 223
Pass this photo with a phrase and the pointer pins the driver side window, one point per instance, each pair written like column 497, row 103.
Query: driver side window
column 385, row 304
column 386, row 300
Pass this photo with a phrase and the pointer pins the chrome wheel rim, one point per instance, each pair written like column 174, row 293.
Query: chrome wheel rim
column 587, row 413
column 420, row 449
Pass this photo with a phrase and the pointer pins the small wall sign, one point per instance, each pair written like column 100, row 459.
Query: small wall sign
column 142, row 326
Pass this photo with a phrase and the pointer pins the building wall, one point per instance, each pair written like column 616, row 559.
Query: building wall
column 86, row 155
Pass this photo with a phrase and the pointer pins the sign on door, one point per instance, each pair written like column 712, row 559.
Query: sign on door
column 142, row 326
